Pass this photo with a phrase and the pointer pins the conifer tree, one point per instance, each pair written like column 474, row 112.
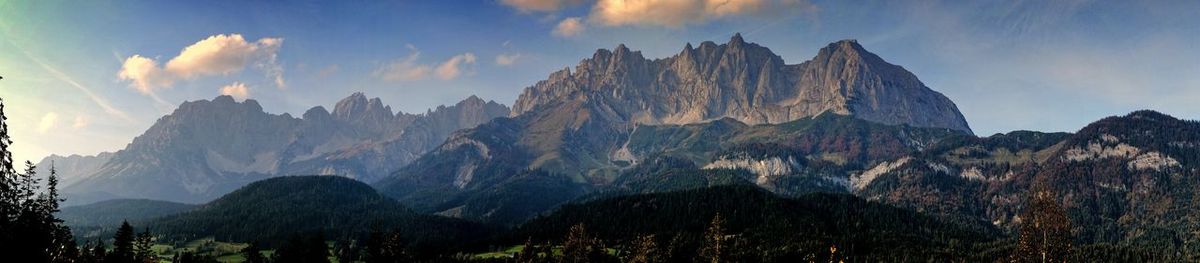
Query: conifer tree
column 579, row 247
column 122, row 245
column 645, row 250
column 94, row 253
column 29, row 231
column 714, row 249
column 528, row 253
column 143, row 247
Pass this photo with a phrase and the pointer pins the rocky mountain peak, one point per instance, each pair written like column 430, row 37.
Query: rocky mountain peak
column 317, row 114
column 358, row 107
column 736, row 40
column 224, row 99
column 472, row 100
column 220, row 103
column 621, row 48
column 747, row 82
column 847, row 51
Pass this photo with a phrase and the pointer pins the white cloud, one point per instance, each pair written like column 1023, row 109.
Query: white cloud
column 215, row 55
column 404, row 69
column 80, row 122
column 237, row 89
column 145, row 74
column 453, row 67
column 677, row 13
column 48, row 122
column 221, row 54
column 507, row 59
column 409, row 68
column 527, row 6
column 569, row 27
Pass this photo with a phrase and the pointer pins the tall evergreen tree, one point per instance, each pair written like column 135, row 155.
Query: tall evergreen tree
column 714, row 249
column 123, row 240
column 579, row 247
column 528, row 253
column 143, row 247
column 29, row 231
column 645, row 250
column 95, row 253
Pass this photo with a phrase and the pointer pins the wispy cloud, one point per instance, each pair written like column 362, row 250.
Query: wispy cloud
column 404, row 69
column 507, row 59
column 80, row 122
column 48, row 121
column 569, row 27
column 95, row 98
column 409, row 68
column 455, row 66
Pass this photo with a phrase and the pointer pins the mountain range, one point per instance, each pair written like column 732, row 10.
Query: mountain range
column 578, row 130
column 619, row 124
column 207, row 148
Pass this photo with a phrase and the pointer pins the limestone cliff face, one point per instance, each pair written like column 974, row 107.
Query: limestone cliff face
column 746, row 82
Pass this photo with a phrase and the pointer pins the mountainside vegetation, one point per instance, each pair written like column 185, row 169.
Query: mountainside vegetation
column 762, row 227
column 92, row 219
column 1127, row 183
column 274, row 210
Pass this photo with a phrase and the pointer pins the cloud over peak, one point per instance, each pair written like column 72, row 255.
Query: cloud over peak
column 215, row 55
column 236, row 90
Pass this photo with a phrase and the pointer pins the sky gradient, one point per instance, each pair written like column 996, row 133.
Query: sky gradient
column 81, row 77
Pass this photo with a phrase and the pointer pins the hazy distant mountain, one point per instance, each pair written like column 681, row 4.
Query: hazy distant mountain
column 109, row 214
column 73, row 168
column 370, row 160
column 207, row 148
column 573, row 133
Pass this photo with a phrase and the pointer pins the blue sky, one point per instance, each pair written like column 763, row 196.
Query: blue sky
column 1009, row 65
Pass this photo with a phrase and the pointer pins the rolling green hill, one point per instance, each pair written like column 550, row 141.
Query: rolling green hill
column 273, row 210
